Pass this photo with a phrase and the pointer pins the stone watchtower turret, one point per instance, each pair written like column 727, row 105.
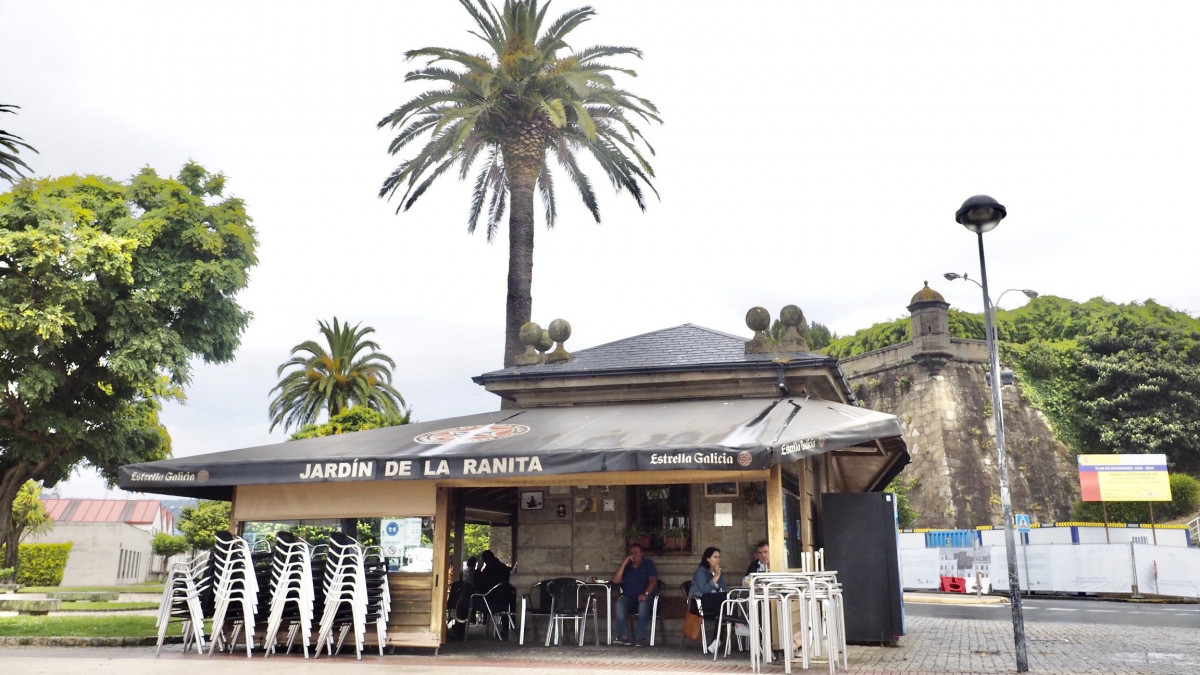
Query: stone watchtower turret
column 930, row 330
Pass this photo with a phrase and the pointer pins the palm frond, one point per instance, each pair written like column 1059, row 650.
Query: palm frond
column 545, row 184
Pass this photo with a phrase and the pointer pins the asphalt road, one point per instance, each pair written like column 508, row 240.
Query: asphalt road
column 1080, row 611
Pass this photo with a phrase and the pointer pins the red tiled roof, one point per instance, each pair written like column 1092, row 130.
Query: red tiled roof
column 102, row 510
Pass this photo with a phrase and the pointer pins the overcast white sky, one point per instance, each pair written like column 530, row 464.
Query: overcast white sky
column 811, row 154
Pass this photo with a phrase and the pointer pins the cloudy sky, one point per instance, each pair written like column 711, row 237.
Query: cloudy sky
column 811, row 154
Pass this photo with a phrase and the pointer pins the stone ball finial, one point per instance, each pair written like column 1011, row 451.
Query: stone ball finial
column 530, row 334
column 560, row 330
column 791, row 316
column 545, row 342
column 758, row 319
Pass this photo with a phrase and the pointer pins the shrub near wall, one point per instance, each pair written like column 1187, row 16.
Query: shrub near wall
column 42, row 564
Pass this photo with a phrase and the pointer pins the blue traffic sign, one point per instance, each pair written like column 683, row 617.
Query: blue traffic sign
column 1022, row 523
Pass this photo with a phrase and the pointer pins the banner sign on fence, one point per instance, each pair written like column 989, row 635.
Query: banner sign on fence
column 1124, row 478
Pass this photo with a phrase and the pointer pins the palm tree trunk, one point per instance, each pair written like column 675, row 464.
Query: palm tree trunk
column 522, row 164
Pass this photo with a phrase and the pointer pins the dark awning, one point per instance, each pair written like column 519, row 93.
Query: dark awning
column 720, row 435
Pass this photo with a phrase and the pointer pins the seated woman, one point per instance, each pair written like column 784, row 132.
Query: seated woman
column 708, row 584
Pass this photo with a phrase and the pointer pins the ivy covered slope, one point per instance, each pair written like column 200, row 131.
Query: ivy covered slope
column 1110, row 377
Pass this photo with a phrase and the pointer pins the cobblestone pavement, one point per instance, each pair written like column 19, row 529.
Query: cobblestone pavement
column 932, row 646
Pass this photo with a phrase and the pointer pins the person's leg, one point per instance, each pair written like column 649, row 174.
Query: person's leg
column 621, row 614
column 643, row 619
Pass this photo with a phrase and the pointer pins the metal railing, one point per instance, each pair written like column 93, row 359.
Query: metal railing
column 1194, row 531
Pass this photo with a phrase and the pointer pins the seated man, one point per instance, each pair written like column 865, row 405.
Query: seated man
column 491, row 573
column 638, row 578
column 762, row 559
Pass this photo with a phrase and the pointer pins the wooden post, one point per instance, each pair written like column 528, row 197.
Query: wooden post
column 441, row 540
column 1104, row 508
column 460, row 525
column 776, row 532
column 1153, row 532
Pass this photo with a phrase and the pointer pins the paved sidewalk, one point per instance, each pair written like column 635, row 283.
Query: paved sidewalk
column 932, row 646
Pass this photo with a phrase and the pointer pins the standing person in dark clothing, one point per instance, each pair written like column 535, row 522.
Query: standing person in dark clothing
column 638, row 578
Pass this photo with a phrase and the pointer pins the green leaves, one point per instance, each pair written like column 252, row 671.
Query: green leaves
column 523, row 85
column 200, row 523
column 349, row 372
column 108, row 290
column 10, row 146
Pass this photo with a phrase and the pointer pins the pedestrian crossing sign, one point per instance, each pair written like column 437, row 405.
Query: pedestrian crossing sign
column 1022, row 522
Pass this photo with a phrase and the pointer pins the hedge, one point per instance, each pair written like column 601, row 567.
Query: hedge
column 41, row 564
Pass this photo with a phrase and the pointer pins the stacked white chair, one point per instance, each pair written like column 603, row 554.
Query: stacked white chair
column 186, row 581
column 815, row 598
column 346, row 595
column 235, row 586
column 291, row 591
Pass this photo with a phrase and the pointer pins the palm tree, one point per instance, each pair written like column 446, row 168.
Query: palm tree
column 10, row 147
column 334, row 379
column 529, row 99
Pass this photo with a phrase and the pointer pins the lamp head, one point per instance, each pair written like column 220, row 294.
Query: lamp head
column 951, row 276
column 980, row 214
column 1029, row 293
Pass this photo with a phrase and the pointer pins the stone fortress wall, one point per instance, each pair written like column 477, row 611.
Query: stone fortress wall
column 938, row 387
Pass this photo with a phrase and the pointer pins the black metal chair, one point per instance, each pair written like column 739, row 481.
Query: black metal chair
column 571, row 602
column 537, row 602
column 694, row 606
column 655, row 619
column 496, row 605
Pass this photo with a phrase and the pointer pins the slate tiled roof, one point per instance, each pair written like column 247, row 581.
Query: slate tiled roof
column 142, row 511
column 684, row 347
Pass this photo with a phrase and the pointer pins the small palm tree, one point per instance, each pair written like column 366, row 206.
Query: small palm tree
column 10, row 147
column 333, row 377
column 510, row 111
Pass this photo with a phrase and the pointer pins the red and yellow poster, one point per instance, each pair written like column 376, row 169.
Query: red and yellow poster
column 1124, row 478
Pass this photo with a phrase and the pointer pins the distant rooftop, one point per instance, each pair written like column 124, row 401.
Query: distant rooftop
column 102, row 510
column 684, row 347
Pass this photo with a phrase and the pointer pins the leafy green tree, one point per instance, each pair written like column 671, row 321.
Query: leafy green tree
column 108, row 293
column 357, row 418
column 819, row 337
column 28, row 518
column 1185, row 499
column 510, row 111
column 167, row 545
column 1143, row 394
column 200, row 523
column 906, row 515
column 334, row 377
column 10, row 147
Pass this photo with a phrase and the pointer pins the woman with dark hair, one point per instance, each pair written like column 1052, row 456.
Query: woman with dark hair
column 708, row 584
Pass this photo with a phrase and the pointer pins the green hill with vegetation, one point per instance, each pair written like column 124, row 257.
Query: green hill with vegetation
column 1111, row 378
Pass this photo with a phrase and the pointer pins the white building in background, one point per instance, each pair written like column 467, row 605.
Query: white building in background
column 110, row 538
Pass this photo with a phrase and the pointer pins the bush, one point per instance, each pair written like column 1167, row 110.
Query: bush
column 42, row 564
column 168, row 545
column 1185, row 498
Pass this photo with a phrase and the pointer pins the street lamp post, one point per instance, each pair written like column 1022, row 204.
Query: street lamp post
column 981, row 214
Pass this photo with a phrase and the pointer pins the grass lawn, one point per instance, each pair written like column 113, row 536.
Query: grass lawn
column 81, row 626
column 83, row 606
column 143, row 588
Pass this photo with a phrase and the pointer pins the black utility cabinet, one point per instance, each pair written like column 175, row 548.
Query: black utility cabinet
column 861, row 543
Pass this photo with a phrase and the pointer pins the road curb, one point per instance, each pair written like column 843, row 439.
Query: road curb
column 77, row 641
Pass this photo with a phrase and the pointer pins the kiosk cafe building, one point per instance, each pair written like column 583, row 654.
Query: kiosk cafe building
column 685, row 438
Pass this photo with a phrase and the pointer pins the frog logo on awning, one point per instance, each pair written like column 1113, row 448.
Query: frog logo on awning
column 477, row 433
